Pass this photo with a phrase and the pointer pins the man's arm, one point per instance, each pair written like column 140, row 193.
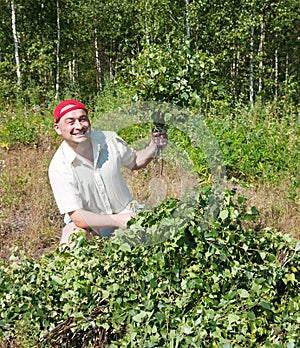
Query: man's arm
column 86, row 219
column 143, row 157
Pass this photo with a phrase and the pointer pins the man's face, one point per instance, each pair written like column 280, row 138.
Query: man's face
column 74, row 127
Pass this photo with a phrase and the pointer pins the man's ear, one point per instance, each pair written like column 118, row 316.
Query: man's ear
column 57, row 129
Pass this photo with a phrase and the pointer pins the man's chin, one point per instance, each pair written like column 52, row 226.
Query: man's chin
column 81, row 138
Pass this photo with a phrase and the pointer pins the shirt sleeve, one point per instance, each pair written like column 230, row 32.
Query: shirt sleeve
column 64, row 188
column 127, row 154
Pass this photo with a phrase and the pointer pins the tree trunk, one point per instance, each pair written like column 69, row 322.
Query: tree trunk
column 260, row 54
column 57, row 50
column 72, row 64
column 276, row 73
column 97, row 61
column 187, row 19
column 235, row 70
column 286, row 75
column 16, row 44
column 251, row 95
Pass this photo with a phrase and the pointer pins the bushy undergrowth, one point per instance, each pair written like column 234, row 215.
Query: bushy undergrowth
column 259, row 144
column 223, row 283
column 22, row 126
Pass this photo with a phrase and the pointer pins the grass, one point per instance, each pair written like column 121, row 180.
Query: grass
column 29, row 217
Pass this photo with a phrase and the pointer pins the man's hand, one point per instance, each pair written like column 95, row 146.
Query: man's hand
column 143, row 157
column 122, row 219
column 160, row 138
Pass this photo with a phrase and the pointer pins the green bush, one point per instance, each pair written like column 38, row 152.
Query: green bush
column 219, row 284
column 22, row 126
column 160, row 73
column 258, row 144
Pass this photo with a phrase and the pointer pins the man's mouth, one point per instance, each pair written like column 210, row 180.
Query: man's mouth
column 80, row 134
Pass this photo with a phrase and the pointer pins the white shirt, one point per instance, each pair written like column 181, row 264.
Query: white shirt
column 99, row 188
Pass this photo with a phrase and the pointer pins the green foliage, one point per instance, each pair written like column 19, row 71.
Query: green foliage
column 258, row 144
column 8, row 89
column 110, row 98
column 179, row 140
column 222, row 284
column 82, row 51
column 162, row 73
column 18, row 130
column 22, row 126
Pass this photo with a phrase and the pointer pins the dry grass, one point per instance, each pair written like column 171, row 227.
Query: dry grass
column 275, row 207
column 30, row 220
column 28, row 214
column 159, row 180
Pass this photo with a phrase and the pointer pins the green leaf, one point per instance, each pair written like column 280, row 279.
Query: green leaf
column 233, row 318
column 125, row 247
column 244, row 293
column 266, row 305
column 224, row 214
column 187, row 330
column 251, row 315
column 140, row 316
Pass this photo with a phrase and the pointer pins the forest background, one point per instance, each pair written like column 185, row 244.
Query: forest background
column 235, row 61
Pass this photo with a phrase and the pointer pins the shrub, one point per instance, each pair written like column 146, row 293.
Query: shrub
column 219, row 284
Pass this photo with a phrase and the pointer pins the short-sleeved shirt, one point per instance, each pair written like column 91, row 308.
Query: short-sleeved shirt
column 98, row 188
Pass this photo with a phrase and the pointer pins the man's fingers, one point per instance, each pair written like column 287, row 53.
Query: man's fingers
column 160, row 138
column 124, row 218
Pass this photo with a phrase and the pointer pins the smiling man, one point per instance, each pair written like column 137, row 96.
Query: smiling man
column 85, row 173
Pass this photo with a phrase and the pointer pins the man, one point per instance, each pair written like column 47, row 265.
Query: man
column 85, row 173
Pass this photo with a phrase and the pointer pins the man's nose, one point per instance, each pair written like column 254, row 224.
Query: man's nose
column 78, row 124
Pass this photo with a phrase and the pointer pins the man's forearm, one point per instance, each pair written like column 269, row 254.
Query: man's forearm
column 86, row 219
column 144, row 156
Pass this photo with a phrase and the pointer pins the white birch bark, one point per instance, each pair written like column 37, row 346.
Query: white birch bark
column 97, row 61
column 251, row 87
column 276, row 73
column 286, row 74
column 235, row 70
column 260, row 54
column 57, row 82
column 16, row 43
column 146, row 26
column 187, row 19
column 147, row 35
column 286, row 69
column 71, row 66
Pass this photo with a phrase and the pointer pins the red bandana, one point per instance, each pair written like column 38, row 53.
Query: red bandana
column 75, row 105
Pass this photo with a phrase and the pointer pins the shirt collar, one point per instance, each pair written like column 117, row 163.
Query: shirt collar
column 96, row 149
column 97, row 143
column 68, row 152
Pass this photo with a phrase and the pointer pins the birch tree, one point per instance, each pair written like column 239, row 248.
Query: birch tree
column 16, row 41
column 57, row 82
column 261, row 54
column 187, row 14
column 251, row 66
column 254, row 45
